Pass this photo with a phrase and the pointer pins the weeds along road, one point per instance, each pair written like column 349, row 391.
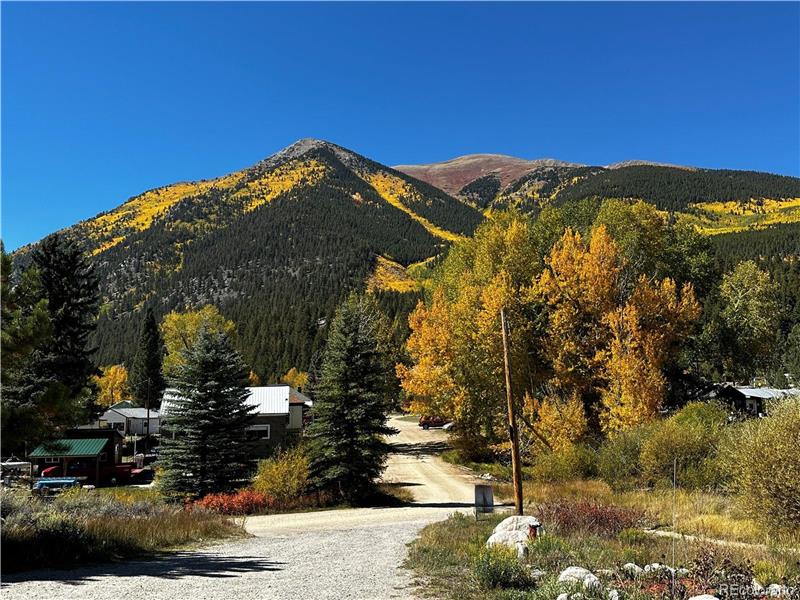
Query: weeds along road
column 348, row 553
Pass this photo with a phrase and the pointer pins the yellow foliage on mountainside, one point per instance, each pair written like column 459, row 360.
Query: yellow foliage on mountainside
column 390, row 276
column 139, row 213
column 280, row 180
column 393, row 189
column 713, row 218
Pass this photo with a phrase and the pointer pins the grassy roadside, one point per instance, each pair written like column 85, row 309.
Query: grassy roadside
column 701, row 514
column 449, row 560
column 100, row 526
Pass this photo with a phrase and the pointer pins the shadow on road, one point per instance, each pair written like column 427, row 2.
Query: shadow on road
column 170, row 566
column 420, row 449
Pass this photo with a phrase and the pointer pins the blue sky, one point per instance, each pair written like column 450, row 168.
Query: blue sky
column 103, row 101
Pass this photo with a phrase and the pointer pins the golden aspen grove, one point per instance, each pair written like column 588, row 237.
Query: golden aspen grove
column 595, row 326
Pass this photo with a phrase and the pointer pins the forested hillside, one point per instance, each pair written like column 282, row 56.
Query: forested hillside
column 275, row 246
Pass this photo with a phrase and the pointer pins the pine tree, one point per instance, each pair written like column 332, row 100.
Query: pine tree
column 210, row 451
column 71, row 290
column 347, row 449
column 146, row 381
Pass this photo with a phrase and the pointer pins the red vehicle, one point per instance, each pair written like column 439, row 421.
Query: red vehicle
column 428, row 421
column 111, row 474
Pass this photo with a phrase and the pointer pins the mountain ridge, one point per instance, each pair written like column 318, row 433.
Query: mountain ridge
column 277, row 245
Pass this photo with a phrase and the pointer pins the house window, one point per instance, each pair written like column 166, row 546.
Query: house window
column 258, row 432
column 51, row 460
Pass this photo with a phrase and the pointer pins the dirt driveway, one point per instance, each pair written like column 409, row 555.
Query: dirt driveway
column 351, row 553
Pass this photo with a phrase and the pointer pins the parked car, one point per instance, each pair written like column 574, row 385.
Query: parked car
column 112, row 474
column 428, row 421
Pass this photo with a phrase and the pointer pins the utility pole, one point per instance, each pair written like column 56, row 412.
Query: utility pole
column 147, row 404
column 516, row 467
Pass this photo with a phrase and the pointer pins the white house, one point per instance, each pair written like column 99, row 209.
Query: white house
column 131, row 421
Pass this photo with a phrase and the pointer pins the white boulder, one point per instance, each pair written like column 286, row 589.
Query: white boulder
column 579, row 575
column 613, row 595
column 757, row 587
column 517, row 523
column 511, row 539
column 632, row 570
column 537, row 573
column 704, row 597
column 682, row 572
column 562, row 597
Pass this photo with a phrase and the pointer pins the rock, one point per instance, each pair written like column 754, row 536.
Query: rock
column 757, row 587
column 704, row 597
column 517, row 523
column 653, row 567
column 562, row 597
column 579, row 575
column 682, row 572
column 511, row 539
column 613, row 595
column 604, row 573
column 632, row 570
column 537, row 573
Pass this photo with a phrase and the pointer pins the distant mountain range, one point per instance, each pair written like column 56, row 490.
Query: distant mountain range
column 499, row 181
column 277, row 245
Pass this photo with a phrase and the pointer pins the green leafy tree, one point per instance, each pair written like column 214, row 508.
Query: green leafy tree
column 749, row 319
column 146, row 381
column 180, row 331
column 346, row 445
column 791, row 355
column 210, row 450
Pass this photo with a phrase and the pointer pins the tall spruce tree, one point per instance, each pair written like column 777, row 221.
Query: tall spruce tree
column 26, row 328
column 210, row 450
column 146, row 381
column 72, row 293
column 347, row 448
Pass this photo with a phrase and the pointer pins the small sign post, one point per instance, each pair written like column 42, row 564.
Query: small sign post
column 484, row 500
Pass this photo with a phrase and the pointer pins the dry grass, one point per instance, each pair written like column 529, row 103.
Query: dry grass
column 86, row 526
column 695, row 513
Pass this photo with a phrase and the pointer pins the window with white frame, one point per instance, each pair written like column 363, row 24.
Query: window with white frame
column 258, row 432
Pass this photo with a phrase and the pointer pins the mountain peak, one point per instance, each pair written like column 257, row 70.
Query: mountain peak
column 452, row 175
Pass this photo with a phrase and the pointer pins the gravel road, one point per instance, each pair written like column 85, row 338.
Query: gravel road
column 351, row 553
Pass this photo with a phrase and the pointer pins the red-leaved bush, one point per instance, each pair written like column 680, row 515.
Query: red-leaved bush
column 243, row 502
column 587, row 517
column 251, row 502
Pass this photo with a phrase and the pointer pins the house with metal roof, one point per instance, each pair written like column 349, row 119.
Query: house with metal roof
column 277, row 411
column 93, row 449
column 131, row 421
column 754, row 400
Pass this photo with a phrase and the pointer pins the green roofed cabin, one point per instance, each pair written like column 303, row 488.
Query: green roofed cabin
column 89, row 454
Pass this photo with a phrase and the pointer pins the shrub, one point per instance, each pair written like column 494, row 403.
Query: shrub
column 572, row 462
column 766, row 469
column 243, row 502
column 691, row 437
column 588, row 518
column 499, row 567
column 618, row 459
column 283, row 477
column 81, row 526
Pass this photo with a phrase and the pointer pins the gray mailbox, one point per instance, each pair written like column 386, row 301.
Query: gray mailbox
column 484, row 499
